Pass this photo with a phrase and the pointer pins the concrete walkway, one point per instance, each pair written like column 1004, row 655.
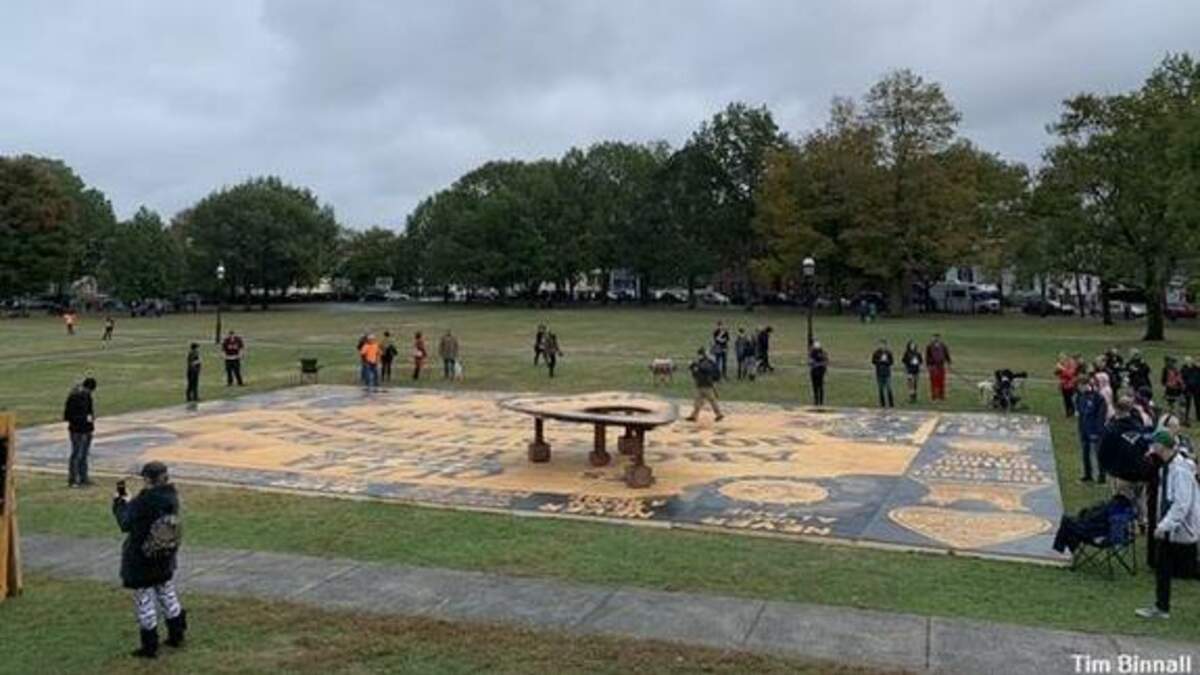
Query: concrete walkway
column 843, row 635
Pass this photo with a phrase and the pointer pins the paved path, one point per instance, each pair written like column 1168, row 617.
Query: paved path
column 851, row 636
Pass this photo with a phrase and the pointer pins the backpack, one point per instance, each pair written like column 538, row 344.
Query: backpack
column 1174, row 379
column 164, row 537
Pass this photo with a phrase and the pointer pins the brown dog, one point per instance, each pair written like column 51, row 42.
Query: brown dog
column 662, row 371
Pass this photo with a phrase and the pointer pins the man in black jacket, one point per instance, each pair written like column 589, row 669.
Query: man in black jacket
column 720, row 349
column 705, row 373
column 193, row 373
column 763, row 350
column 1191, row 389
column 883, row 359
column 1139, row 372
column 79, row 414
column 151, row 521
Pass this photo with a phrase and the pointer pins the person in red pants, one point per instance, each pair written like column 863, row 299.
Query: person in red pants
column 937, row 360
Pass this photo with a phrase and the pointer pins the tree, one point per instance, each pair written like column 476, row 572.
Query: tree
column 1002, row 196
column 35, row 212
column 141, row 259
column 267, row 234
column 1133, row 156
column 814, row 195
column 87, row 229
column 915, row 231
column 736, row 144
column 615, row 183
column 368, row 255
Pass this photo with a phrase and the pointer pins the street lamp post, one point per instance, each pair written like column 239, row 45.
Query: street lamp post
column 220, row 298
column 809, row 266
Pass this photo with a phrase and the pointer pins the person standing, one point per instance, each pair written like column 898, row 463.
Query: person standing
column 419, row 354
column 1191, row 389
column 883, row 360
column 937, row 361
column 1139, row 373
column 193, row 373
column 1172, row 382
column 720, row 349
column 762, row 350
column 370, row 355
column 233, row 348
column 1102, row 386
column 387, row 354
column 551, row 351
column 151, row 523
column 912, row 361
column 1178, row 525
column 69, row 318
column 448, row 351
column 744, row 352
column 704, row 374
column 109, row 325
column 1091, row 414
column 539, row 343
column 80, row 415
column 1143, row 405
column 1114, row 365
column 1066, row 370
column 818, row 364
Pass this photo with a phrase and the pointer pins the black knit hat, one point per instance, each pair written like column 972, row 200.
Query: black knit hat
column 154, row 470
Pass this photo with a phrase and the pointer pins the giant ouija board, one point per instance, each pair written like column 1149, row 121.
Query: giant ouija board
column 978, row 484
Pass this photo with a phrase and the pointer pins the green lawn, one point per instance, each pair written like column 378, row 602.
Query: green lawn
column 86, row 627
column 603, row 349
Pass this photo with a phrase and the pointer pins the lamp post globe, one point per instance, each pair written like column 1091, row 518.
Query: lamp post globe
column 809, row 267
column 220, row 290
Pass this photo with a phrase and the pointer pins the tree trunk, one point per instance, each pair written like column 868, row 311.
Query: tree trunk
column 691, row 282
column 1105, row 309
column 896, row 294
column 1079, row 293
column 838, row 289
column 1156, row 291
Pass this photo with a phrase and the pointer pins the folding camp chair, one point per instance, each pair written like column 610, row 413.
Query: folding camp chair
column 1118, row 545
column 309, row 371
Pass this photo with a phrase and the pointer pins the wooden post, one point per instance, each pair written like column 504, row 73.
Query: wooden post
column 539, row 449
column 599, row 455
column 10, row 549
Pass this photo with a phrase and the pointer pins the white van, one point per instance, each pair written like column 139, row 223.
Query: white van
column 959, row 297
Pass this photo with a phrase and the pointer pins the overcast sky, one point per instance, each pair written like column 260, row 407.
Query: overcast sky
column 375, row 105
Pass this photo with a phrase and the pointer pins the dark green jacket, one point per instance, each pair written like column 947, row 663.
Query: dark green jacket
column 135, row 518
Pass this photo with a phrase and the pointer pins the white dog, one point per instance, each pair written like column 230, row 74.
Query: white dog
column 459, row 371
column 986, row 390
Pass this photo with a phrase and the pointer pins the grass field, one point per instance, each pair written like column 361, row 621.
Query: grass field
column 65, row 627
column 143, row 368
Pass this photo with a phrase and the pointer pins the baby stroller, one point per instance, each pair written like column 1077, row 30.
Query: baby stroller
column 1008, row 389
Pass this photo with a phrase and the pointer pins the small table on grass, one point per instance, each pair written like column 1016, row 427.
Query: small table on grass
column 636, row 413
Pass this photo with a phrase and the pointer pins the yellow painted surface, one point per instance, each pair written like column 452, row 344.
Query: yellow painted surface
column 435, row 439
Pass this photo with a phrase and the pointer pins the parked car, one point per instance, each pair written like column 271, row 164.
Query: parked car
column 1047, row 307
column 397, row 296
column 778, row 298
column 1180, row 310
column 670, row 296
column 1132, row 310
column 711, row 297
column 879, row 300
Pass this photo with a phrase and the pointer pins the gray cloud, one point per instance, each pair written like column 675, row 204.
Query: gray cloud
column 375, row 104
